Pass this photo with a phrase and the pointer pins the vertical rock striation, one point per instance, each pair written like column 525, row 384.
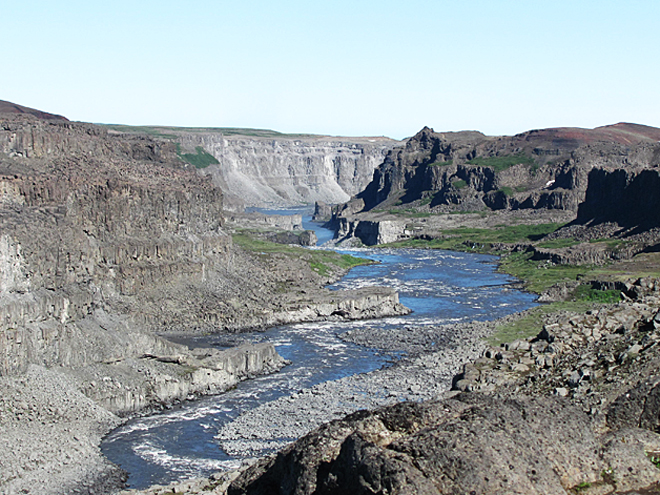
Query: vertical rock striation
column 284, row 171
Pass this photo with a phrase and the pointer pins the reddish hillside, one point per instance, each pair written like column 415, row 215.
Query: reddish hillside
column 622, row 133
column 8, row 107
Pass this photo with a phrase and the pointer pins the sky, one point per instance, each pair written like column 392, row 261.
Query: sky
column 345, row 68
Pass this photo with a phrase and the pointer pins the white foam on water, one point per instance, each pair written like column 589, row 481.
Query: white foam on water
column 160, row 457
column 156, row 421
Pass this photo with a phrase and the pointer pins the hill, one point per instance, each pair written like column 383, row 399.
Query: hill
column 7, row 107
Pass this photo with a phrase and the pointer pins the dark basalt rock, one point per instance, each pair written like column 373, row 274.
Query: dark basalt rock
column 469, row 444
column 552, row 173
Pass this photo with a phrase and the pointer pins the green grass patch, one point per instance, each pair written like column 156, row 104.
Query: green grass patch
column 441, row 164
column 321, row 261
column 463, row 239
column 201, row 159
column 507, row 191
column 459, row 184
column 500, row 163
column 521, row 188
column 539, row 275
column 582, row 486
column 587, row 293
column 531, row 323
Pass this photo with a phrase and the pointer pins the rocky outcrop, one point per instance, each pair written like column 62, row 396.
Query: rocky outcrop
column 53, row 419
column 359, row 304
column 78, row 246
column 173, row 375
column 538, row 169
column 574, row 171
column 288, row 170
column 468, row 444
column 371, row 232
column 629, row 198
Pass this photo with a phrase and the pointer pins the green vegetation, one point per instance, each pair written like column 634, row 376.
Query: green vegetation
column 507, row 191
column 582, row 486
column 609, row 476
column 540, row 275
column 481, row 240
column 321, row 261
column 441, row 164
column 521, row 188
column 531, row 323
column 654, row 457
column 585, row 292
column 459, row 184
column 500, row 163
column 201, row 159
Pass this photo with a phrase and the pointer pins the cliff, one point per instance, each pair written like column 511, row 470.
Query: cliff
column 549, row 175
column 282, row 172
column 269, row 169
column 107, row 242
column 537, row 169
column 629, row 198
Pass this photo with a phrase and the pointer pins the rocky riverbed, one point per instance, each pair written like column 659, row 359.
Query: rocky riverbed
column 420, row 376
column 572, row 409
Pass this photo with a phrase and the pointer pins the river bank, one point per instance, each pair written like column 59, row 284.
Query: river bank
column 573, row 410
column 425, row 374
column 588, row 356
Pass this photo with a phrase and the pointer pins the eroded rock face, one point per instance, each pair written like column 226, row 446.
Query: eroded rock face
column 630, row 198
column 469, row 444
column 289, row 171
column 91, row 225
column 601, row 175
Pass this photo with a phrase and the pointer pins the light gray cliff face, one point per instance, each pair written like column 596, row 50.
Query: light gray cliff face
column 255, row 171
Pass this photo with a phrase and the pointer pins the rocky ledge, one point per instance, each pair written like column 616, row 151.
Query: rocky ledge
column 53, row 419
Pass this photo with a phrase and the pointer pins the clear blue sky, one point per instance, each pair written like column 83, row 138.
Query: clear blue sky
column 357, row 67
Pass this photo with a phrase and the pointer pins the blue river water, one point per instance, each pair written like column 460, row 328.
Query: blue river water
column 439, row 286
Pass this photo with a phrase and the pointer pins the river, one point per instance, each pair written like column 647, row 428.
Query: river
column 439, row 286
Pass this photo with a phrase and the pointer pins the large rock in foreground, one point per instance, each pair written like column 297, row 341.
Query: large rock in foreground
column 468, row 444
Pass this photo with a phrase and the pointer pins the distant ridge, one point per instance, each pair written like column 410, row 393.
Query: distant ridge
column 622, row 133
column 8, row 107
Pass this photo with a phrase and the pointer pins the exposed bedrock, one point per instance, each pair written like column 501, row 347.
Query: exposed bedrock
column 358, row 304
column 286, row 171
column 102, row 239
column 630, row 198
column 471, row 443
column 552, row 169
column 174, row 374
column 372, row 232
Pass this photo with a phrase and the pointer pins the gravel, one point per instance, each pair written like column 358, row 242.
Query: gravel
column 50, row 427
column 423, row 374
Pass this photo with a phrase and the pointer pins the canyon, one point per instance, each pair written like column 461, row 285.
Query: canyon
column 114, row 239
column 107, row 243
column 262, row 168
